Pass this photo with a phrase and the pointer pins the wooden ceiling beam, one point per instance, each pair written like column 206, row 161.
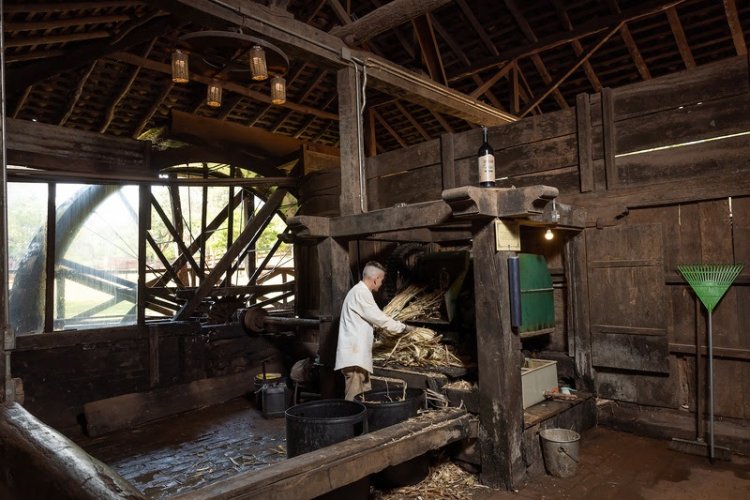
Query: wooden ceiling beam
column 586, row 29
column 390, row 130
column 30, row 41
column 523, row 24
column 305, row 125
column 680, row 38
column 383, row 19
column 562, row 14
column 414, row 123
column 442, row 121
column 280, row 121
column 627, row 38
column 77, row 94
column 37, row 8
column 429, row 48
column 152, row 111
column 405, row 43
column 110, row 115
column 17, row 78
column 49, row 24
column 569, row 72
column 461, row 55
column 300, row 40
column 730, row 7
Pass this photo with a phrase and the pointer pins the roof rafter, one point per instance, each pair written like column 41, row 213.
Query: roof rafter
column 627, row 38
column 304, row 41
column 730, row 7
column 429, row 48
column 523, row 24
column 577, row 47
column 680, row 38
column 586, row 29
column 38, row 71
column 384, row 18
column 570, row 71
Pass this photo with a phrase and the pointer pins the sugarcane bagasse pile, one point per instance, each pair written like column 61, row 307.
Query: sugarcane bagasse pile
column 421, row 347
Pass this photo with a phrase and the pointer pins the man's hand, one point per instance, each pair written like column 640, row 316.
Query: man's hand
column 409, row 329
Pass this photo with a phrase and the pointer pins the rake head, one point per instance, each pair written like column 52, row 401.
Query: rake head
column 710, row 281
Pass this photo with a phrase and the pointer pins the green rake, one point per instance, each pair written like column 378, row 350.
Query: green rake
column 710, row 282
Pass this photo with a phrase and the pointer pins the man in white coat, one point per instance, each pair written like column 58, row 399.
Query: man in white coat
column 358, row 316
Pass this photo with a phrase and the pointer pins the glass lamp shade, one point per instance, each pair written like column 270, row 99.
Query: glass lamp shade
column 213, row 95
column 278, row 90
column 258, row 67
column 180, row 72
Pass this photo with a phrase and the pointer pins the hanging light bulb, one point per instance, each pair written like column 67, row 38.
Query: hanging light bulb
column 180, row 72
column 278, row 90
column 213, row 95
column 258, row 68
column 549, row 234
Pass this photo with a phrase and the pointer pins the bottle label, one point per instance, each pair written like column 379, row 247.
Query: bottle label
column 487, row 168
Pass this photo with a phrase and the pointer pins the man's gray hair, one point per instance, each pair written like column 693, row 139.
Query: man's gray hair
column 373, row 269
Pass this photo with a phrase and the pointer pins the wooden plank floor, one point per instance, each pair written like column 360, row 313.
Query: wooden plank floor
column 191, row 450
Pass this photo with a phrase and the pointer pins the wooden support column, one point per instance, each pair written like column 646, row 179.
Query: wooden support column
column 579, row 334
column 447, row 161
column 7, row 335
column 144, row 225
column 49, row 256
column 351, row 200
column 609, row 137
column 333, row 272
column 499, row 359
column 585, row 147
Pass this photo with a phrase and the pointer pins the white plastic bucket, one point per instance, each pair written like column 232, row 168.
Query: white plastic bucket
column 560, row 450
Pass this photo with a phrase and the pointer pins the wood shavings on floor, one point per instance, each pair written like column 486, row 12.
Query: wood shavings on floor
column 446, row 481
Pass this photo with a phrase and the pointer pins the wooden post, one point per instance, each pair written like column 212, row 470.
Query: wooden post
column 351, row 200
column 608, row 136
column 333, row 272
column 49, row 256
column 447, row 161
column 579, row 335
column 499, row 362
column 7, row 338
column 144, row 224
column 585, row 147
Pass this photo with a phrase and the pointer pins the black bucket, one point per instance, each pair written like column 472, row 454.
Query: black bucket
column 317, row 424
column 386, row 407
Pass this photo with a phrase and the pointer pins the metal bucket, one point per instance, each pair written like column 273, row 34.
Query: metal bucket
column 560, row 451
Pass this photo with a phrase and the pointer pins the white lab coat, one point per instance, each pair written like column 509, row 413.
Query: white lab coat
column 358, row 316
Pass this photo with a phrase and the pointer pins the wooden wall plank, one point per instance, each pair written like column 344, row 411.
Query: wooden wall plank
column 642, row 353
column 707, row 82
column 648, row 389
column 609, row 137
column 585, row 147
column 401, row 160
column 526, row 131
column 413, row 187
column 691, row 123
column 129, row 410
column 447, row 155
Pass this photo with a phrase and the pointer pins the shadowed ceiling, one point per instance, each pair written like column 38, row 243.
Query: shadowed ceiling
column 103, row 66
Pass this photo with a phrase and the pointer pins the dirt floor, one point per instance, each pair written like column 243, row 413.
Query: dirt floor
column 616, row 465
column 191, row 450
